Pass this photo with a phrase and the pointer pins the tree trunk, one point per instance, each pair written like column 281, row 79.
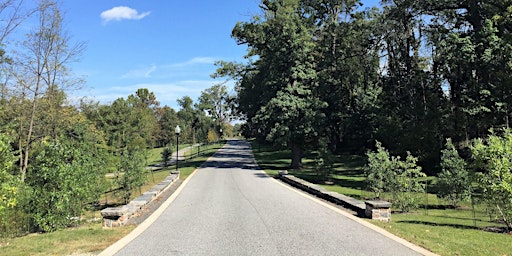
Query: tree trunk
column 296, row 155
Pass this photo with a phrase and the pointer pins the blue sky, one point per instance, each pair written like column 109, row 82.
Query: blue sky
column 167, row 46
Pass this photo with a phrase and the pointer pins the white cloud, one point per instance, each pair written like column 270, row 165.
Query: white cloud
column 122, row 13
column 140, row 73
column 194, row 61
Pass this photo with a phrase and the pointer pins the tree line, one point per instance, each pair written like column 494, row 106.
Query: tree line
column 55, row 154
column 423, row 87
column 410, row 74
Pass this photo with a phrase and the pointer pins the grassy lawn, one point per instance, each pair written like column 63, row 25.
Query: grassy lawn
column 442, row 230
column 91, row 237
column 88, row 238
column 155, row 154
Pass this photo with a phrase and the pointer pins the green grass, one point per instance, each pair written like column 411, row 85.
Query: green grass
column 88, row 238
column 449, row 232
column 91, row 237
column 434, row 226
column 155, row 154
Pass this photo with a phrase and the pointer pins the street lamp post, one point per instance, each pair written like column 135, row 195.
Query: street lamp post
column 220, row 134
column 259, row 145
column 177, row 130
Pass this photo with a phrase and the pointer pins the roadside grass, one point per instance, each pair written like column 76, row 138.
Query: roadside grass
column 154, row 176
column 444, row 233
column 155, row 154
column 91, row 237
column 433, row 226
column 88, row 238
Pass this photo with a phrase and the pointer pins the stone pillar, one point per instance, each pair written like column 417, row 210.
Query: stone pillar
column 378, row 210
column 114, row 216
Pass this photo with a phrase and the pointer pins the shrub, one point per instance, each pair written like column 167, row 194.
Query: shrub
column 63, row 179
column 166, row 155
column 379, row 170
column 402, row 179
column 493, row 160
column 454, row 181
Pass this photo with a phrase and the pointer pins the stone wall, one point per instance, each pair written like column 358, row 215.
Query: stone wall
column 119, row 216
column 378, row 210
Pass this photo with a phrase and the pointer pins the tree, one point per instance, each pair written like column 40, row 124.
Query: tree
column 472, row 50
column 454, row 181
column 167, row 119
column 128, row 135
column 193, row 120
column 379, row 170
column 494, row 172
column 43, row 72
column 401, row 178
column 166, row 155
column 412, row 99
column 64, row 178
column 347, row 68
column 143, row 104
column 215, row 101
column 284, row 77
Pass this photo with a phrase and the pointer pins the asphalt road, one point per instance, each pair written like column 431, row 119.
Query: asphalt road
column 228, row 207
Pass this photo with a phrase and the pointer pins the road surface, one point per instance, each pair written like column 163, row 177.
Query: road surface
column 228, row 207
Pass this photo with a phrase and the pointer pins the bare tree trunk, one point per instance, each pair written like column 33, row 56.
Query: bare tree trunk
column 25, row 154
column 296, row 150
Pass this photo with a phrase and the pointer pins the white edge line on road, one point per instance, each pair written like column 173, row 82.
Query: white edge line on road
column 377, row 229
column 117, row 246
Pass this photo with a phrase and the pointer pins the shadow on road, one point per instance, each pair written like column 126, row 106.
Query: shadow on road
column 236, row 154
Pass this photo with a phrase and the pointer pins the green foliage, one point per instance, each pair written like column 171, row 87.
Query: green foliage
column 166, row 155
column 212, row 136
column 493, row 158
column 216, row 101
column 454, row 181
column 379, row 170
column 324, row 162
column 131, row 173
column 386, row 173
column 407, row 183
column 283, row 77
column 63, row 178
column 8, row 183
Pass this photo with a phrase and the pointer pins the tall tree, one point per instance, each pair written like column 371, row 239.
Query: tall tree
column 412, row 98
column 215, row 101
column 167, row 119
column 192, row 120
column 473, row 51
column 43, row 72
column 347, row 67
column 287, row 110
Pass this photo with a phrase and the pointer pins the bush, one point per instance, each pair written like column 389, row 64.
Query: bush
column 386, row 173
column 63, row 179
column 454, row 181
column 131, row 173
column 166, row 155
column 379, row 170
column 324, row 162
column 493, row 163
